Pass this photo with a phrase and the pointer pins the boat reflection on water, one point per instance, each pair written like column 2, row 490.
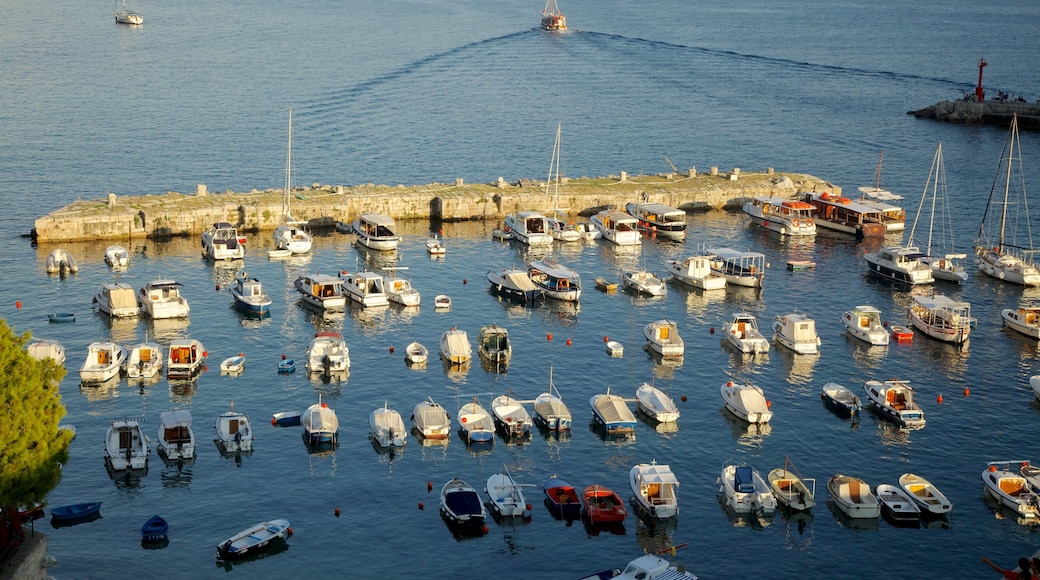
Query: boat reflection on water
column 667, row 428
column 753, row 519
column 697, row 301
column 182, row 390
column 890, row 434
column 851, row 523
column 405, row 313
column 456, row 373
column 235, row 455
column 101, row 391
column 371, row 320
column 613, row 528
column 127, row 481
column 177, row 472
column 743, row 360
column 122, row 330
column 477, row 448
column 617, row 439
column 801, row 536
column 164, row 330
column 866, row 357
column 745, row 433
column 798, row 368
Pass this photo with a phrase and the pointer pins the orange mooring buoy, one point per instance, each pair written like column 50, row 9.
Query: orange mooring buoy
column 391, row 349
column 421, row 506
column 711, row 330
column 967, row 391
column 429, row 486
column 939, row 399
column 464, row 282
column 568, row 342
column 683, row 398
column 18, row 304
column 336, row 512
column 548, row 337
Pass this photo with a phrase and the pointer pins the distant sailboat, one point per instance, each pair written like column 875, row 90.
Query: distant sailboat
column 290, row 235
column 125, row 16
column 557, row 217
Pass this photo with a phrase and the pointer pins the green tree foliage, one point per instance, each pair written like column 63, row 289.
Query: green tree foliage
column 31, row 446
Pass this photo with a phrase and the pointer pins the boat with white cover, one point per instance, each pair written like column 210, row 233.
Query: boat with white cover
column 461, row 505
column 365, row 288
column 555, row 280
column 696, row 271
column 387, row 427
column 895, row 400
column 511, row 416
column 234, row 431
column 1024, row 319
column 328, row 354
column 43, row 348
column 221, row 242
column 852, row 495
column 790, row 217
column 233, row 365
column 117, row 257
column 515, row 284
column 176, row 440
column 550, row 410
column 646, row 567
column 746, row 401
column 253, row 539
column 455, row 347
column 118, row 300
column 797, row 332
column 658, row 219
column 104, row 360
column 185, row 358
column 476, row 423
column 941, row 318
column 662, row 337
column 145, row 360
column 322, row 291
column 864, row 322
column 431, row 420
column 506, row 495
column 902, row 264
column 320, row 423
column 612, row 413
column 1005, row 482
column 655, row 489
column 1001, row 251
column 896, row 504
column 643, row 282
column 618, row 227
column 742, row 333
column 738, row 268
column 125, row 445
column 745, row 491
column 925, row 495
column 162, row 298
column 400, row 290
column 529, row 227
column 656, row 404
column 250, row 296
column 376, row 231
column 791, row 490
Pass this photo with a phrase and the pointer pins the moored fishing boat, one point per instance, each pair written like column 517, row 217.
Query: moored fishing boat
column 476, row 423
column 602, row 505
column 618, row 227
column 941, row 318
column 461, row 505
column 550, row 410
column 895, row 400
column 696, row 271
column 797, row 332
column 234, row 431
column 852, row 495
column 662, row 337
column 612, row 413
column 746, row 401
column 529, row 227
column 221, row 242
column 493, row 344
column 125, row 445
column 515, row 284
column 738, row 268
column 431, row 420
column 250, row 296
column 903, row 264
column 864, row 323
column 658, row 219
column 118, row 300
column 840, row 399
column 791, row 490
column 162, row 298
column 1025, row 319
column 506, row 495
column 511, row 416
column 743, row 334
column 322, row 291
column 745, row 491
column 841, row 214
column 1009, row 487
column 376, row 231
column 416, row 354
column 365, row 288
column 896, row 505
column 643, row 282
column 144, row 361
column 103, row 361
column 656, row 404
column 455, row 348
column 185, row 358
column 320, row 424
column 387, row 427
column 253, row 539
column 655, row 489
column 176, row 440
column 555, row 280
column 562, row 499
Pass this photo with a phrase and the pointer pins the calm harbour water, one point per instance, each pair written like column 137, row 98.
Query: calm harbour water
column 431, row 91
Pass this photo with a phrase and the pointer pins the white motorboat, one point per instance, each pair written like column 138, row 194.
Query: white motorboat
column 646, row 567
column 511, row 416
column 790, row 217
column 493, row 344
column 144, row 361
column 125, row 16
column 252, row 539
column 587, row 232
column 615, row 349
column 387, row 427
column 738, row 268
column 941, row 318
column 1005, row 482
column 376, row 231
column 176, row 440
column 900, row 264
column 328, row 354
column 118, row 300
column 476, row 423
column 895, row 400
column 745, row 491
column 461, row 505
column 233, row 365
column 234, row 431
column 743, row 334
column 655, row 489
column 221, row 242
column 852, row 495
column 658, row 219
column 442, row 302
column 1004, row 249
column 925, row 495
column 656, row 404
column 250, row 296
column 612, row 413
column 104, row 361
column 400, row 290
column 864, row 323
column 435, row 246
column 431, row 420
column 791, row 490
column 365, row 288
column 455, row 347
column 696, row 271
column 506, row 495
column 185, row 358
column 320, row 424
column 61, row 262
column 515, row 284
column 117, row 257
column 643, row 282
column 550, row 410
column 556, row 281
column 560, row 229
column 1025, row 319
column 896, row 504
column 290, row 236
column 162, row 299
column 529, row 227
column 1034, row 383
column 43, row 348
column 416, row 354
column 746, row 401
column 322, row 291
column 618, row 227
column 797, row 332
column 125, row 445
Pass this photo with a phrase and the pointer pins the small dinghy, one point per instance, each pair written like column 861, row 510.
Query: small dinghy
column 286, row 419
column 461, row 506
column 606, row 285
column 233, row 365
column 506, row 495
column 75, row 512
column 840, row 400
column 852, row 495
column 615, row 349
column 897, row 505
column 286, row 366
column 562, row 498
column 253, row 539
column 154, row 530
column 925, row 495
column 61, row 317
column 435, row 247
column 442, row 302
column 602, row 505
column 416, row 354
column 902, row 333
column 791, row 490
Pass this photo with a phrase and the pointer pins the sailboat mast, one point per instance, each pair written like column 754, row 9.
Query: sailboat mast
column 554, row 165
column 288, row 173
column 936, row 165
column 1012, row 137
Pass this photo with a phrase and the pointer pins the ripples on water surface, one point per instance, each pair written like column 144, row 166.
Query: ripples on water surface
column 414, row 93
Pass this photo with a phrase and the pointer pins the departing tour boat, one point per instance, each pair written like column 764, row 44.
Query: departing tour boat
column 552, row 18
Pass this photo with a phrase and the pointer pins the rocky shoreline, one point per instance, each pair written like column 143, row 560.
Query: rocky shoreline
column 987, row 112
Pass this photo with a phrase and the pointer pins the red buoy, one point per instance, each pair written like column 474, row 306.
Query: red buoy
column 429, row 486
column 274, row 421
column 769, row 404
column 939, row 399
column 683, row 398
column 711, row 330
column 464, row 282
column 283, row 357
column 528, row 506
column 484, row 530
column 967, row 391
column 217, row 287
column 568, row 342
column 606, row 339
column 337, row 512
column 548, row 337
column 391, row 349
column 421, row 505
column 18, row 304
column 289, row 530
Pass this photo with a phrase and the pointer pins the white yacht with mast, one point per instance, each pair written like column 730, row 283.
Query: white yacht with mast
column 290, row 235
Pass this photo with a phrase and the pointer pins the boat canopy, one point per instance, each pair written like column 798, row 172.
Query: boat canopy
column 657, row 474
column 179, row 418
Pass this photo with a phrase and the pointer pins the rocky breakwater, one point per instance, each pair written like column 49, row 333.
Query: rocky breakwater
column 989, row 112
column 178, row 214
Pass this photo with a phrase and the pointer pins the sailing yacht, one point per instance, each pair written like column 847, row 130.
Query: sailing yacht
column 945, row 264
column 558, row 227
column 125, row 16
column 997, row 251
column 290, row 235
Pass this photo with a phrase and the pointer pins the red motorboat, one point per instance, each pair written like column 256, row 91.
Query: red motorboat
column 902, row 333
column 602, row 506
